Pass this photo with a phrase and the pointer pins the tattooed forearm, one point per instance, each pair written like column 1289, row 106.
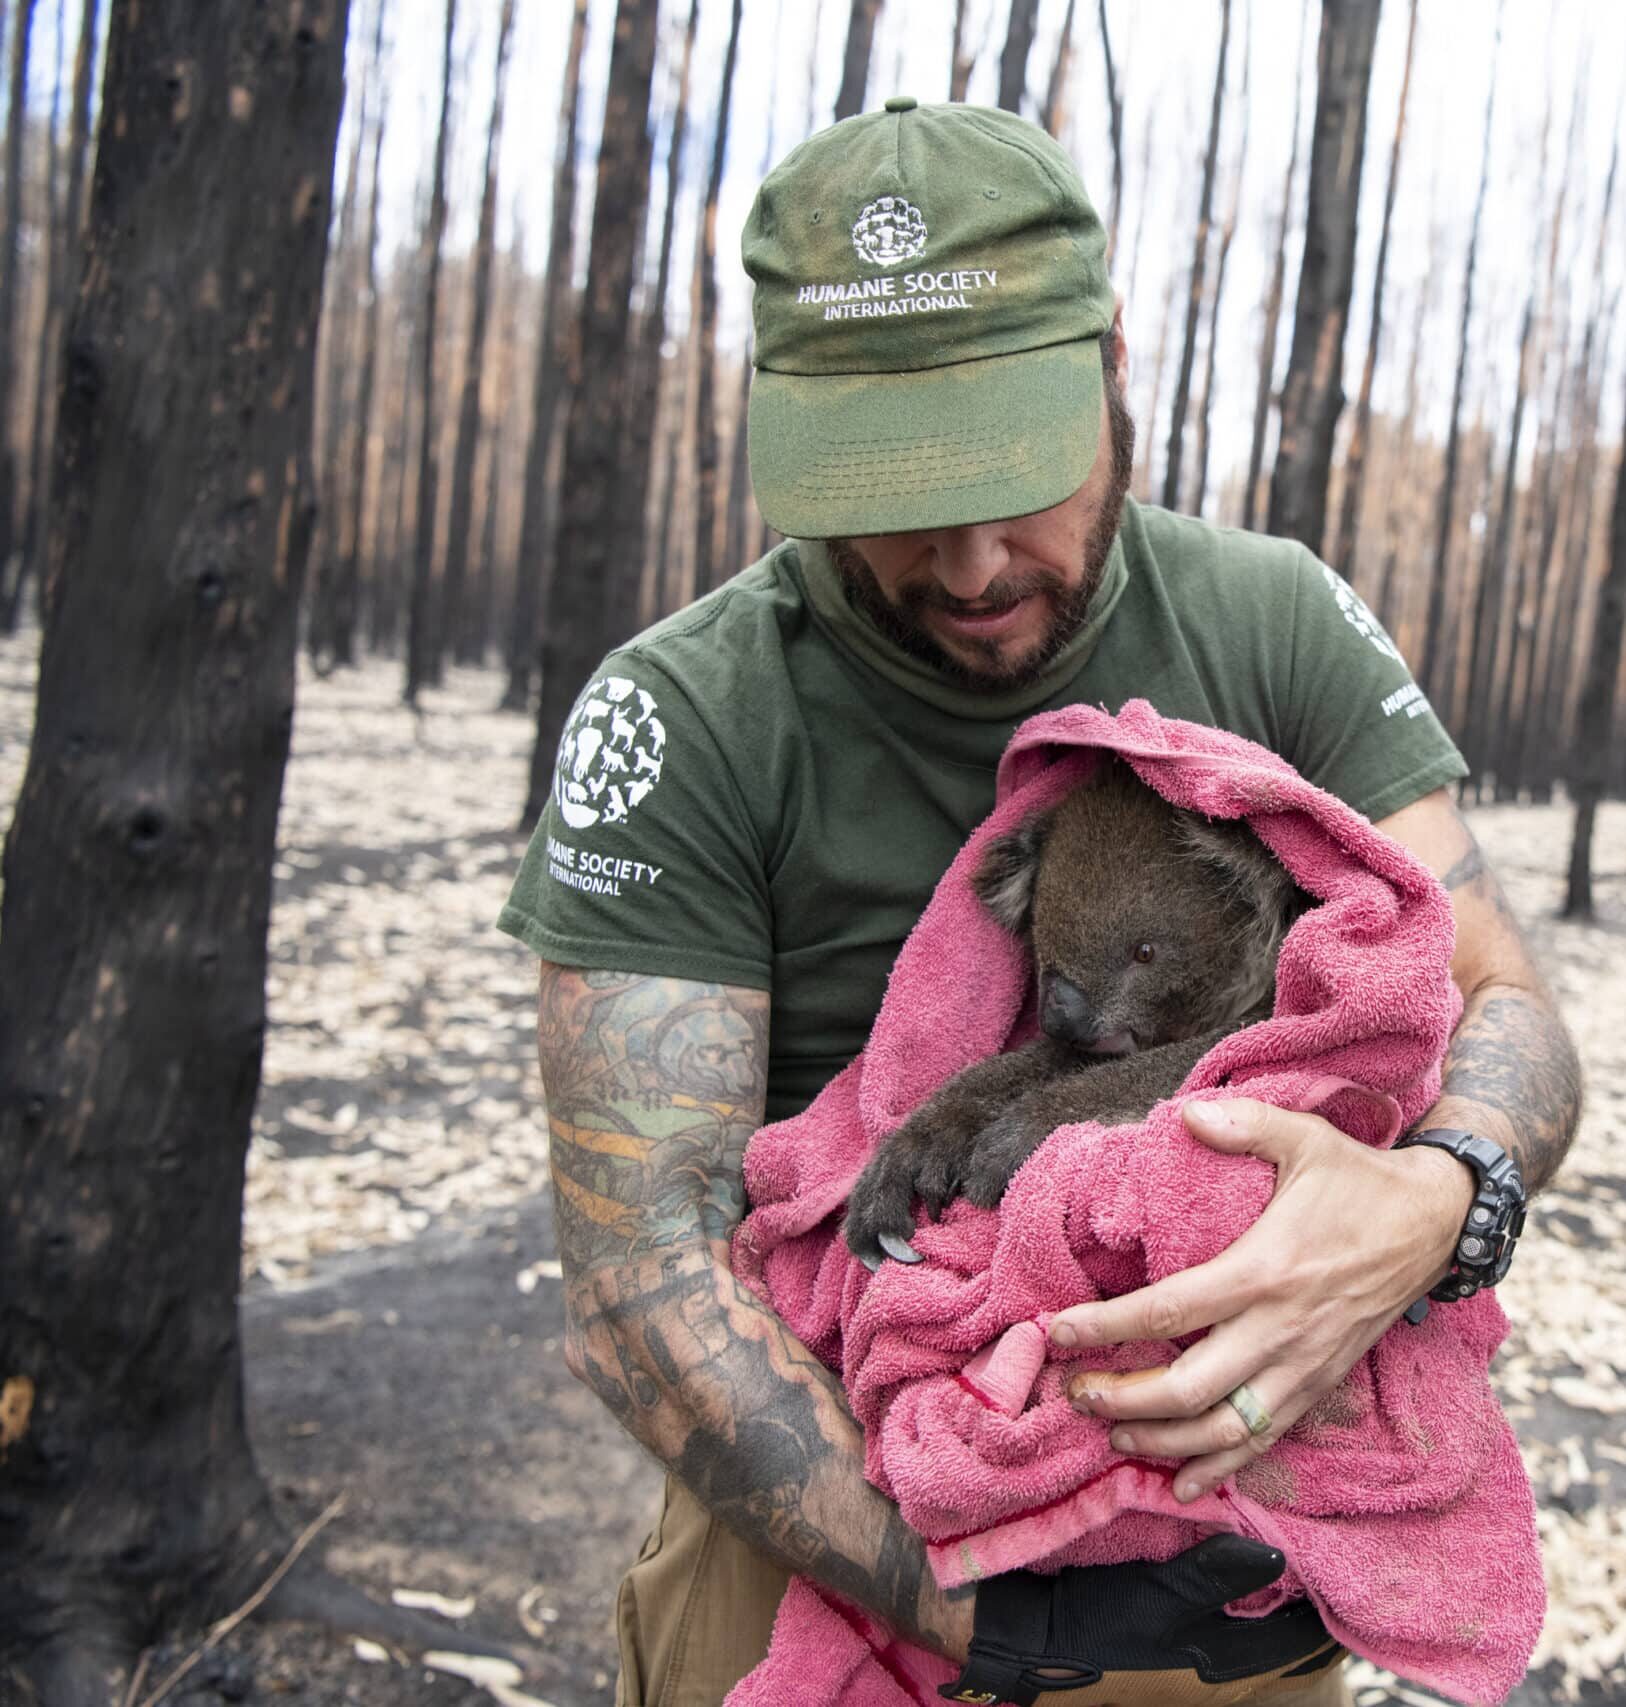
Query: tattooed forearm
column 1511, row 1072
column 653, row 1087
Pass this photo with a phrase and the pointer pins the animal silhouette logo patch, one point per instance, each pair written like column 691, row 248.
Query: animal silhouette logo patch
column 889, row 230
column 611, row 755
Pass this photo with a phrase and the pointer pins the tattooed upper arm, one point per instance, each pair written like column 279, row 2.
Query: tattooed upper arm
column 653, row 1087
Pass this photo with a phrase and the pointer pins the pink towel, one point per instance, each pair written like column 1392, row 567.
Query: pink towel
column 1400, row 1501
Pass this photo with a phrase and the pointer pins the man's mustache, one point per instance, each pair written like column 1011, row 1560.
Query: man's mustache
column 997, row 597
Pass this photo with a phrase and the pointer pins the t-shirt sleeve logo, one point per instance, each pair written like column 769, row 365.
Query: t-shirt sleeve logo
column 1358, row 616
column 611, row 754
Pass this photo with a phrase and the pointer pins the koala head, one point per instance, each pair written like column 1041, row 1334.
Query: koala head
column 1147, row 923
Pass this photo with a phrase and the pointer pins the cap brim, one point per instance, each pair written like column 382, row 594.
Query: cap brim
column 851, row 454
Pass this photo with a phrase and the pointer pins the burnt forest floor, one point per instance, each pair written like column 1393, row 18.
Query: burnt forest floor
column 401, row 1303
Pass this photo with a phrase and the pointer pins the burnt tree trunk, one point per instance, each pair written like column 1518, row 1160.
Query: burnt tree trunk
column 1355, row 454
column 1054, row 116
column 45, row 365
column 580, row 625
column 709, row 570
column 10, row 261
column 1313, row 396
column 1489, row 619
column 1199, row 274
column 137, row 874
column 1265, row 388
column 339, row 618
column 1541, row 509
column 334, row 422
column 1543, row 722
column 638, row 454
column 555, row 358
column 1589, row 766
column 861, row 23
column 423, row 654
column 961, row 62
column 1013, row 59
column 461, row 521
column 1227, row 236
column 1436, row 645
column 1115, row 117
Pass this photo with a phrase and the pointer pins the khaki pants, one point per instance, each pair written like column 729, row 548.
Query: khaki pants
column 695, row 1613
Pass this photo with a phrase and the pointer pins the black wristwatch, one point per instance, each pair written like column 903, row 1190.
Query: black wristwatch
column 1495, row 1217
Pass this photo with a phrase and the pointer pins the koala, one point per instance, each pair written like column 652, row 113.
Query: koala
column 1153, row 933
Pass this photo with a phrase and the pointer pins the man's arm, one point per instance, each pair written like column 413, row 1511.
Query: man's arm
column 1511, row 1072
column 1351, row 1236
column 654, row 1086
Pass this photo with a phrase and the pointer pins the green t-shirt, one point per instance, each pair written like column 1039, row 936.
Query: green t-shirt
column 763, row 790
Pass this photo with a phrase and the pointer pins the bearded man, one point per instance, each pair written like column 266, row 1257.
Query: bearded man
column 937, row 426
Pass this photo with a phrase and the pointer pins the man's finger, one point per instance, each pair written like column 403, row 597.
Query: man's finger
column 1175, row 1406
column 1240, row 1125
column 1183, row 1303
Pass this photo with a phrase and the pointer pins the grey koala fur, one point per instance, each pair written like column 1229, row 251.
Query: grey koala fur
column 1153, row 933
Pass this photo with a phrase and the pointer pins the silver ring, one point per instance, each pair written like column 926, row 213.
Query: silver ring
column 1245, row 1402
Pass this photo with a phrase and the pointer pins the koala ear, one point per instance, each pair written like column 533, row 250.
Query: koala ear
column 1259, row 880
column 1004, row 882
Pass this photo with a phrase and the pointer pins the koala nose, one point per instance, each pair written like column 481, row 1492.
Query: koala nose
column 1064, row 1012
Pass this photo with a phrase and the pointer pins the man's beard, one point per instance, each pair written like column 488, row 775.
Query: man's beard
column 903, row 622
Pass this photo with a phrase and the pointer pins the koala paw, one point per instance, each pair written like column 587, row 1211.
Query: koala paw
column 880, row 1210
column 1000, row 1149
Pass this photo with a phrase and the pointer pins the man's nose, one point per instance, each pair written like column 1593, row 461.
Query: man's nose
column 969, row 559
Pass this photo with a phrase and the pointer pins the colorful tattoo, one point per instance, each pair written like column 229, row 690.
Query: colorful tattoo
column 654, row 1086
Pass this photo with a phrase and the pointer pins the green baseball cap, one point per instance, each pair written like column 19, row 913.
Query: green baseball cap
column 930, row 294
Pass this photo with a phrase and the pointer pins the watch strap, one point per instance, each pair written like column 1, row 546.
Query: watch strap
column 1494, row 1221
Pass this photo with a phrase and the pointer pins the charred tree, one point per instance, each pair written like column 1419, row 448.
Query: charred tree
column 1054, row 115
column 423, row 653
column 1437, row 644
column 1355, row 453
column 461, row 523
column 555, row 359
column 10, row 260
column 709, row 570
column 1115, row 119
column 581, row 623
column 1227, row 236
column 639, row 452
column 45, row 365
column 861, row 23
column 334, row 422
column 336, row 614
column 1589, row 765
column 1541, row 510
column 962, row 59
column 1543, row 723
column 1199, row 274
column 1013, row 60
column 1313, row 395
column 1488, row 618
column 137, row 874
column 1265, row 388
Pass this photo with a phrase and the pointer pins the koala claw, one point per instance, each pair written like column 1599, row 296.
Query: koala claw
column 870, row 1260
column 900, row 1250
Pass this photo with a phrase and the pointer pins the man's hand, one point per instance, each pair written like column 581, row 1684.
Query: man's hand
column 1351, row 1237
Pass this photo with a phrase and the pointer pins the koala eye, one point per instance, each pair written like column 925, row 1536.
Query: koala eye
column 1145, row 953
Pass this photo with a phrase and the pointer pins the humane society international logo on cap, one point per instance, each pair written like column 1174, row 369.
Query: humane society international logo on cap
column 888, row 231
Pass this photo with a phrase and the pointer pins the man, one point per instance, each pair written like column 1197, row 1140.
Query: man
column 755, row 799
